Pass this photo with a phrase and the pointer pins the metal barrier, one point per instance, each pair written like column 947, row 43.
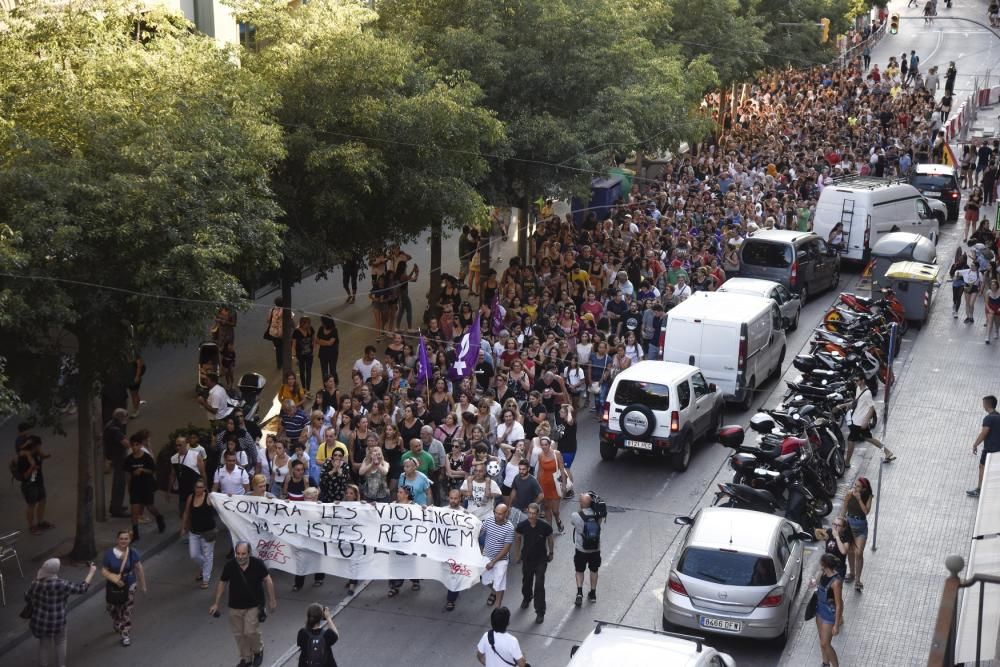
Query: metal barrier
column 942, row 653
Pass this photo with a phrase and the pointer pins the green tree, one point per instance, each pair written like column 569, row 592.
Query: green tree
column 378, row 147
column 728, row 32
column 133, row 161
column 576, row 82
column 798, row 42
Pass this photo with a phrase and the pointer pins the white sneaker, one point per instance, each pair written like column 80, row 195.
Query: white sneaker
column 954, row 314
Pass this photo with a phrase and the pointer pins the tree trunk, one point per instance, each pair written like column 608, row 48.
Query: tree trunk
column 84, row 542
column 101, row 499
column 522, row 230
column 434, row 294
column 485, row 242
column 288, row 277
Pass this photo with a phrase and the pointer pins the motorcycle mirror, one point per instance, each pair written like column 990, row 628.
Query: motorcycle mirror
column 683, row 520
column 836, row 396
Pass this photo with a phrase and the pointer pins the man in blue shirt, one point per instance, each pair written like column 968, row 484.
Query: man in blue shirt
column 989, row 438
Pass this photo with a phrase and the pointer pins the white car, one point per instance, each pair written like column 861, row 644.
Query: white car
column 623, row 645
column 659, row 407
column 789, row 304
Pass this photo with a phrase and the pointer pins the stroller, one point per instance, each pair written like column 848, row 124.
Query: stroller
column 209, row 361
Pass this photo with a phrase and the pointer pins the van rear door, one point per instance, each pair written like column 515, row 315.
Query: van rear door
column 719, row 359
column 682, row 340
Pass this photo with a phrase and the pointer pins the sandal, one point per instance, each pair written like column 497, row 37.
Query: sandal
column 415, row 586
column 849, row 578
column 491, row 599
column 889, row 459
column 393, row 592
column 559, row 524
column 203, row 585
column 450, row 606
column 859, row 586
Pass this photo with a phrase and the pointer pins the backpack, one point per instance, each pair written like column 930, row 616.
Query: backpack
column 590, row 534
column 315, row 652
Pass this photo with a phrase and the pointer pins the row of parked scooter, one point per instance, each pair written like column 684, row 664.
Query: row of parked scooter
column 797, row 456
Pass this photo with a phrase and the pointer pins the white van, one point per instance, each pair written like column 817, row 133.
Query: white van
column 870, row 207
column 737, row 340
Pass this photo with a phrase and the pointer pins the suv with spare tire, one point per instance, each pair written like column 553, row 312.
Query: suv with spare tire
column 659, row 408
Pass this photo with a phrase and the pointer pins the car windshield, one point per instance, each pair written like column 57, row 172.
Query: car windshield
column 727, row 567
column 766, row 253
column 932, row 182
column 653, row 396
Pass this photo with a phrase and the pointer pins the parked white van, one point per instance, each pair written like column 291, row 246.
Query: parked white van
column 737, row 340
column 870, row 207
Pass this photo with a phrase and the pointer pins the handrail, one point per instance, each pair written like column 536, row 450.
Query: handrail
column 942, row 653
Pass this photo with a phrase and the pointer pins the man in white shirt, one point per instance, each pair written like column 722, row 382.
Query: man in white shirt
column 861, row 422
column 365, row 364
column 230, row 478
column 217, row 402
column 497, row 647
column 186, row 468
column 681, row 291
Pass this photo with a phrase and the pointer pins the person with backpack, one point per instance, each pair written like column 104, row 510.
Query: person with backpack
column 316, row 642
column 587, row 540
column 497, row 647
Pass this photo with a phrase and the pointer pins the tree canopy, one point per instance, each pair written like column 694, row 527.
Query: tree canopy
column 134, row 157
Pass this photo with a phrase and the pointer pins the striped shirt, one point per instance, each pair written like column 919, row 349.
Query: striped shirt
column 497, row 535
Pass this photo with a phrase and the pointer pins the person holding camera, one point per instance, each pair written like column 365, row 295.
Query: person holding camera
column 316, row 642
column 248, row 578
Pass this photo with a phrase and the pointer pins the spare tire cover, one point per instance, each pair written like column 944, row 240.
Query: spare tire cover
column 637, row 420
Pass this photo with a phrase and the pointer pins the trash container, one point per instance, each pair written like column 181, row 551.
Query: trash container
column 913, row 283
column 900, row 247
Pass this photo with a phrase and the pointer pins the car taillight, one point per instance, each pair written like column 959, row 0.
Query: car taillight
column 954, row 195
column 606, row 412
column 675, row 421
column 742, row 360
column 675, row 585
column 774, row 598
column 795, row 274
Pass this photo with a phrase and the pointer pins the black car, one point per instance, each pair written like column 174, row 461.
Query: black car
column 938, row 181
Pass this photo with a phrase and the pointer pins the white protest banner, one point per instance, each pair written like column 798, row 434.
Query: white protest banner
column 358, row 540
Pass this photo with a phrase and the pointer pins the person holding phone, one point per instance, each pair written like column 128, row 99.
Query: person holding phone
column 316, row 642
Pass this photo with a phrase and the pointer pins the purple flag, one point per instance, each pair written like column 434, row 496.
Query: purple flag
column 468, row 355
column 497, row 324
column 423, row 365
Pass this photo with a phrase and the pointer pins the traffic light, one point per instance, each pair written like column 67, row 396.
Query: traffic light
column 825, row 22
column 894, row 24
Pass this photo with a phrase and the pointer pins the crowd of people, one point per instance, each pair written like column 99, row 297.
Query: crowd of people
column 499, row 441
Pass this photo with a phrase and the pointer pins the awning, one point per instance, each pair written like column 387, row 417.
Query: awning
column 984, row 558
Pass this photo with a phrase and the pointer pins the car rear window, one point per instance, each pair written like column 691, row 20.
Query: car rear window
column 653, row 396
column 934, row 182
column 767, row 253
column 727, row 567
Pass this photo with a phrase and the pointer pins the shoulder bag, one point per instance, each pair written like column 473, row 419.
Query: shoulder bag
column 114, row 594
column 493, row 647
column 29, row 606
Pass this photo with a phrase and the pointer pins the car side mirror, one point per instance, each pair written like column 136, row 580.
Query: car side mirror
column 712, row 388
column 683, row 520
column 573, row 650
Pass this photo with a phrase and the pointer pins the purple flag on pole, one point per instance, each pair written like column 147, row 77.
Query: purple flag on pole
column 468, row 355
column 497, row 320
column 423, row 365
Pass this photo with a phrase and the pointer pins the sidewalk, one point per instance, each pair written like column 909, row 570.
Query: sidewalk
column 168, row 388
column 925, row 515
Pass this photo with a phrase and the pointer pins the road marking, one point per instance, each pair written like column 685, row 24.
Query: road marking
column 294, row 649
column 936, row 47
column 666, row 483
column 569, row 612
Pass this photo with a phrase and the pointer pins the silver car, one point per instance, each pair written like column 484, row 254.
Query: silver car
column 737, row 572
column 789, row 304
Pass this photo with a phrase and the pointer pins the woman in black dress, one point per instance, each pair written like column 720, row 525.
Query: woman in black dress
column 328, row 344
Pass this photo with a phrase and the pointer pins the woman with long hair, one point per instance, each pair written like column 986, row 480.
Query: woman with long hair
column 857, row 504
column 198, row 523
column 829, row 606
column 122, row 568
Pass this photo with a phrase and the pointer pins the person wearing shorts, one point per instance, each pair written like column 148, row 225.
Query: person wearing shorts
column 829, row 606
column 583, row 558
column 499, row 538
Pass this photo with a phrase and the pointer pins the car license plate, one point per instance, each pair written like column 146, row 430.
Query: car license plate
column 931, row 193
column 639, row 444
column 721, row 624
